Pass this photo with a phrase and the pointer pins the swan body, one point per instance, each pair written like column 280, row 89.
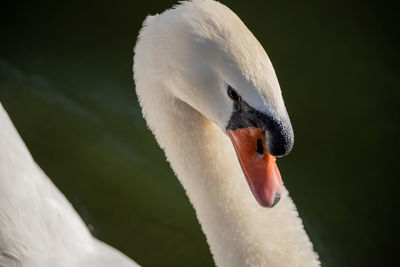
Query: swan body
column 184, row 60
column 38, row 226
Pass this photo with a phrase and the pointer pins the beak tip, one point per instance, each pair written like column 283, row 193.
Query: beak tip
column 276, row 199
column 269, row 203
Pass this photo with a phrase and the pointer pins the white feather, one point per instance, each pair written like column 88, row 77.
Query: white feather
column 38, row 226
column 183, row 59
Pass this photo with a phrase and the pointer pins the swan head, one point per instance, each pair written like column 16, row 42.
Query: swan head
column 210, row 60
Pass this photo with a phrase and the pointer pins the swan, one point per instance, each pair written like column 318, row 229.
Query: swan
column 38, row 226
column 210, row 95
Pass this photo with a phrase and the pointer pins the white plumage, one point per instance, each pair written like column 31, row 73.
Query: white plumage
column 184, row 58
column 38, row 226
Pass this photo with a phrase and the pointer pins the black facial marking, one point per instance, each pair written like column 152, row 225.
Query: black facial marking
column 279, row 139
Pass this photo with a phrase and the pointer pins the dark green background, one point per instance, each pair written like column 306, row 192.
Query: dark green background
column 66, row 81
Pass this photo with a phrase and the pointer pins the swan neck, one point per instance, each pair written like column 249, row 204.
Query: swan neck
column 239, row 231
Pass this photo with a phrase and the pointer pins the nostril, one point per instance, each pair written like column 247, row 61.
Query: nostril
column 260, row 148
column 277, row 198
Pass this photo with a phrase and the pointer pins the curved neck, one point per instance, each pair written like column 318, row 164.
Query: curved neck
column 238, row 230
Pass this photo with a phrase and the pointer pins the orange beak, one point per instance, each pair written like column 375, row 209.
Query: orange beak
column 259, row 167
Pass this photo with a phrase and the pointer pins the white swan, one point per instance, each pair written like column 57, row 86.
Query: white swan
column 200, row 76
column 38, row 226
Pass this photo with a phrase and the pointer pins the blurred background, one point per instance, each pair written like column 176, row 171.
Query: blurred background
column 66, row 81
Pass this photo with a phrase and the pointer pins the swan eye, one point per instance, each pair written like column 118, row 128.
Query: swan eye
column 232, row 94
